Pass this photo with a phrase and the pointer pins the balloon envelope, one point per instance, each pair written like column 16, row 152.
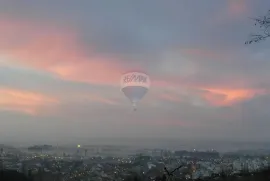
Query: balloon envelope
column 134, row 93
column 135, row 85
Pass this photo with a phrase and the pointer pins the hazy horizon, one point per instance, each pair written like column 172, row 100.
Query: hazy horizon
column 135, row 143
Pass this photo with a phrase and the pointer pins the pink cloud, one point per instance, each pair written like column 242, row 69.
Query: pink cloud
column 232, row 11
column 56, row 50
column 216, row 95
column 24, row 101
column 237, row 7
column 223, row 93
column 225, row 97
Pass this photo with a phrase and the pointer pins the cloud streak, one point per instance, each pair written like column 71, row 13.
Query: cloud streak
column 24, row 101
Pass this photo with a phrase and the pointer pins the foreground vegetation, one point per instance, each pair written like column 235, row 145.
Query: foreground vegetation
column 264, row 175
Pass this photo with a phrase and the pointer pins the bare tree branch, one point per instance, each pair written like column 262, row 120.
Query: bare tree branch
column 170, row 174
column 264, row 25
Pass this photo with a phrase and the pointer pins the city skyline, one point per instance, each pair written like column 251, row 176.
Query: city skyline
column 61, row 64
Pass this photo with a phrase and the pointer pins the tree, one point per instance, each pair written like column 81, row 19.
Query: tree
column 264, row 25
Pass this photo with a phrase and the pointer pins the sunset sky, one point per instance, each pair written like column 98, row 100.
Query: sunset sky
column 61, row 62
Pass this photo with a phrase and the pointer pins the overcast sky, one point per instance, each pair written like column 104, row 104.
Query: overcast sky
column 61, row 63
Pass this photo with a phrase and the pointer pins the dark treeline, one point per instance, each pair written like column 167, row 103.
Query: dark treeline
column 11, row 175
column 264, row 175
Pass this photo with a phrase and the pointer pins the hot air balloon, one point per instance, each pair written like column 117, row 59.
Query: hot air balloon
column 135, row 85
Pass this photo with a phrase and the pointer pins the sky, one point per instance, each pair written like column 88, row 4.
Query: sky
column 61, row 63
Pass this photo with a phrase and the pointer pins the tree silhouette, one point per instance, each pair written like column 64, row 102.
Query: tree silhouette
column 264, row 25
column 11, row 175
column 170, row 174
